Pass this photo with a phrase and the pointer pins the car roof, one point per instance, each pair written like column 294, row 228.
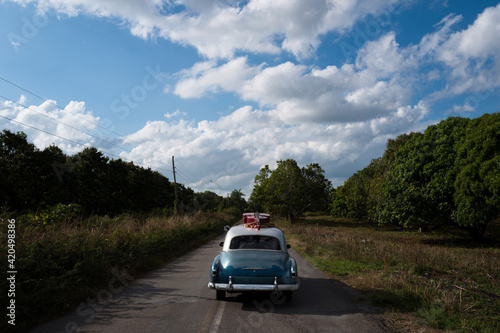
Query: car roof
column 241, row 230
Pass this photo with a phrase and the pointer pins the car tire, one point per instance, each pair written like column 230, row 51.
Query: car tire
column 220, row 295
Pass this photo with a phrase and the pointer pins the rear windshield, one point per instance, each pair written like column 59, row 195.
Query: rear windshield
column 254, row 243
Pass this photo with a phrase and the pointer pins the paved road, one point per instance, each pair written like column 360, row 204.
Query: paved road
column 176, row 299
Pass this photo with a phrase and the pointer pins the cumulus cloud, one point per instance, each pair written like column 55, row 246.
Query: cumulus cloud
column 206, row 77
column 71, row 128
column 298, row 93
column 471, row 56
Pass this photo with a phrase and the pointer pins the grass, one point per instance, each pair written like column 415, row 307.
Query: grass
column 61, row 265
column 442, row 277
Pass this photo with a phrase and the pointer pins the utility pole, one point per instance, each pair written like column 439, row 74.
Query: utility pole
column 176, row 206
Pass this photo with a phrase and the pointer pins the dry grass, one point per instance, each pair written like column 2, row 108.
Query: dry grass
column 452, row 283
column 62, row 264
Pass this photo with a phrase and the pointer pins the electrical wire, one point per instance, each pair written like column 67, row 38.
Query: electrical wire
column 77, row 129
column 182, row 175
column 60, row 122
column 77, row 143
column 57, row 106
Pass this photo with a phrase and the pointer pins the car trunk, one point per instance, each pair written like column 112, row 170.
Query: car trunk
column 254, row 263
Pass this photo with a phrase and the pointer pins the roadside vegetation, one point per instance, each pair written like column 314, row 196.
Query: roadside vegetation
column 442, row 277
column 62, row 264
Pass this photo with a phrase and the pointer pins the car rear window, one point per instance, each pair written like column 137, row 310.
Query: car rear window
column 254, row 243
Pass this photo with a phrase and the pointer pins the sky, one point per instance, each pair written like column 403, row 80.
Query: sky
column 229, row 86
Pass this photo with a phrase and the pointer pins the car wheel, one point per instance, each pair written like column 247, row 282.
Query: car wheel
column 220, row 295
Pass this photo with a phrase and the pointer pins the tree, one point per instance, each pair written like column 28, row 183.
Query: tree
column 89, row 176
column 477, row 185
column 16, row 171
column 237, row 201
column 289, row 190
column 286, row 190
column 207, row 201
column 318, row 188
column 338, row 204
column 27, row 176
column 258, row 197
column 419, row 189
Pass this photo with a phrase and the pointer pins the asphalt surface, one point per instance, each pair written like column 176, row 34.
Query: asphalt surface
column 175, row 298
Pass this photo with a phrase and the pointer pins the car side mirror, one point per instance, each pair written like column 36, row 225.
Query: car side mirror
column 288, row 246
column 221, row 244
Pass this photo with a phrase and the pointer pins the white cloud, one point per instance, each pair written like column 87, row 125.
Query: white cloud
column 471, row 56
column 205, row 77
column 384, row 58
column 217, row 29
column 68, row 126
column 175, row 114
column 298, row 93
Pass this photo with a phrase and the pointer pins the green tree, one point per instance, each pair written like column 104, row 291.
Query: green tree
column 28, row 178
column 16, row 171
column 258, row 197
column 419, row 188
column 289, row 190
column 237, row 200
column 477, row 185
column 318, row 188
column 207, row 201
column 338, row 206
column 89, row 176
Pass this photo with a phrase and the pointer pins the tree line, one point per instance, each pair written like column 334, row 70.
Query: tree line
column 32, row 180
column 447, row 175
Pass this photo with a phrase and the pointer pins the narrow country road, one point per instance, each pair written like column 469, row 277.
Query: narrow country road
column 175, row 298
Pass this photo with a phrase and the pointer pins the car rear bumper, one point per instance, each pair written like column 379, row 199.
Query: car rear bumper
column 254, row 287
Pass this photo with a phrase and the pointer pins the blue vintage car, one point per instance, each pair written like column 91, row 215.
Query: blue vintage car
column 254, row 257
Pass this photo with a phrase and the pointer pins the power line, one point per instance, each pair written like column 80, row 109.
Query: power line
column 196, row 179
column 78, row 116
column 56, row 120
column 41, row 130
column 73, row 127
column 75, row 142
column 63, row 109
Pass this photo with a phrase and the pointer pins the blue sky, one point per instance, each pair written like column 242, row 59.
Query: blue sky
column 230, row 86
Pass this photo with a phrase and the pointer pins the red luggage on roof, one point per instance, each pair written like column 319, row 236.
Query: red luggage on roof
column 257, row 220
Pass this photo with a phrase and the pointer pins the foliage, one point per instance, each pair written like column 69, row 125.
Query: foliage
column 477, row 185
column 289, row 190
column 56, row 214
column 447, row 175
column 421, row 185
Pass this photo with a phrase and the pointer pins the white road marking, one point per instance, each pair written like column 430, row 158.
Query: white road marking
column 218, row 318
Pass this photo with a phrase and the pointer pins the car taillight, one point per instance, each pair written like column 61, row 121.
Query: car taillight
column 214, row 273
column 294, row 274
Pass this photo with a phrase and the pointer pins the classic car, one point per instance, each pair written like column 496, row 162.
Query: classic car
column 254, row 257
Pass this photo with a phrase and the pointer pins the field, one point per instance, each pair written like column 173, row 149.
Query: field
column 60, row 265
column 441, row 278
